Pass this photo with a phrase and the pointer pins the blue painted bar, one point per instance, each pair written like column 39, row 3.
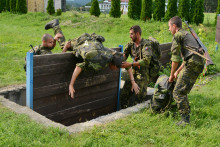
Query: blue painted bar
column 118, row 103
column 29, row 80
column 216, row 48
column 218, row 14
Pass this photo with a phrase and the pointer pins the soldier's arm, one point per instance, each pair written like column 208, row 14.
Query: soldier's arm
column 134, row 87
column 147, row 54
column 76, row 73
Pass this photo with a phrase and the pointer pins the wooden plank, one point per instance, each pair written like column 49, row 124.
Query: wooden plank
column 80, row 83
column 60, row 102
column 53, row 68
column 89, row 115
column 84, row 108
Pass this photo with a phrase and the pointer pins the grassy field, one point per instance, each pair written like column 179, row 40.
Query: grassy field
column 139, row 129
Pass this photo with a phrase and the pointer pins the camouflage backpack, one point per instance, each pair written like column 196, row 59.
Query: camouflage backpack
column 163, row 96
column 155, row 60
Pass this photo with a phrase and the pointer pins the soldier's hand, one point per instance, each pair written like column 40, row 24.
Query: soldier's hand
column 176, row 74
column 171, row 78
column 71, row 91
column 135, row 88
column 57, row 36
column 67, row 45
column 126, row 64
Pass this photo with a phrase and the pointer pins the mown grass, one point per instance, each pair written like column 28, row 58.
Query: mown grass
column 19, row 31
column 139, row 129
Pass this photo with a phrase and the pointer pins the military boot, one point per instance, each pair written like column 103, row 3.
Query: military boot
column 185, row 121
column 52, row 24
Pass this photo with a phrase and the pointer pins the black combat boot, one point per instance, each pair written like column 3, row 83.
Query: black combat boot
column 185, row 121
column 52, row 24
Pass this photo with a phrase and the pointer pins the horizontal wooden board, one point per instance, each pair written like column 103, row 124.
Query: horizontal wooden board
column 80, row 83
column 84, row 108
column 63, row 101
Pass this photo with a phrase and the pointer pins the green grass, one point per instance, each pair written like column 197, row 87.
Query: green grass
column 139, row 129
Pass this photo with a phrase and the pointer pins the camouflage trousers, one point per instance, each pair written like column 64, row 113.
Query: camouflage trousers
column 187, row 78
column 61, row 40
column 129, row 98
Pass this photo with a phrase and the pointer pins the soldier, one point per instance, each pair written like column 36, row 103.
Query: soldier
column 89, row 50
column 190, row 69
column 140, row 50
column 48, row 43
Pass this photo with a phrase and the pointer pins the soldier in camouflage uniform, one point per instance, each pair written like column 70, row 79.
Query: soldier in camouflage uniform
column 190, row 69
column 90, row 52
column 140, row 50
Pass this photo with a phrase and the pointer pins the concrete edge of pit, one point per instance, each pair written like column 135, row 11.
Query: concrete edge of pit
column 75, row 128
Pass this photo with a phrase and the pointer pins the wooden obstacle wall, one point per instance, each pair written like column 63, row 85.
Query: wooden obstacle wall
column 96, row 93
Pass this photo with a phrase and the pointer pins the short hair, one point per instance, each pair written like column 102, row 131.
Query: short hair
column 46, row 37
column 136, row 29
column 116, row 61
column 177, row 21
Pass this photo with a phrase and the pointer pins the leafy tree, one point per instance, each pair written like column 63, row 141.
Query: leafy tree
column 171, row 9
column 192, row 9
column 134, row 9
column 138, row 8
column 12, row 6
column 159, row 9
column 50, row 7
column 115, row 8
column 94, row 10
column 146, row 10
column 184, row 8
column 21, row 6
column 2, row 5
column 199, row 9
column 217, row 11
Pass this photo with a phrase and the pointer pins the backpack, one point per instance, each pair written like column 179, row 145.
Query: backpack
column 163, row 94
column 155, row 63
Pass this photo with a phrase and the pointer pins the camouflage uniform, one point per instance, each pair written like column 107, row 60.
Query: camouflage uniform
column 141, row 54
column 193, row 66
column 41, row 50
column 89, row 49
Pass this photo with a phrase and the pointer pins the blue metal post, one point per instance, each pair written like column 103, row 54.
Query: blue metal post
column 29, row 80
column 216, row 48
column 118, row 103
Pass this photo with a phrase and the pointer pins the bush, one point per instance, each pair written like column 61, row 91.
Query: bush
column 2, row 5
column 184, row 8
column 192, row 10
column 21, row 6
column 134, row 9
column 59, row 12
column 95, row 10
column 12, row 6
column 217, row 11
column 146, row 10
column 115, row 9
column 171, row 9
column 199, row 16
column 159, row 9
column 50, row 7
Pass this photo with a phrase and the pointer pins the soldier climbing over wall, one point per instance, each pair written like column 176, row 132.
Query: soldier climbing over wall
column 93, row 56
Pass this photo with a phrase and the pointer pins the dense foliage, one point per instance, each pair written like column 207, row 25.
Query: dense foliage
column 12, row 6
column 199, row 10
column 50, row 7
column 115, row 9
column 21, row 6
column 171, row 9
column 192, row 10
column 95, row 10
column 159, row 9
column 146, row 10
column 184, row 10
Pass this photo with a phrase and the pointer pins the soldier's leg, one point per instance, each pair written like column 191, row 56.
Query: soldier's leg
column 184, row 84
column 126, row 96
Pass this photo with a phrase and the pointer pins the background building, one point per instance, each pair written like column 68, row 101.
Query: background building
column 106, row 6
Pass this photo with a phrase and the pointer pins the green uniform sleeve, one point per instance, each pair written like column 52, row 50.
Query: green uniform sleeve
column 127, row 51
column 176, row 48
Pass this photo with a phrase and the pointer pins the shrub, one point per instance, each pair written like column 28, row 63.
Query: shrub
column 12, row 6
column 21, row 6
column 134, row 9
column 159, row 9
column 184, row 8
column 50, row 7
column 171, row 9
column 59, row 12
column 95, row 8
column 192, row 10
column 146, row 10
column 2, row 5
column 115, row 9
column 199, row 9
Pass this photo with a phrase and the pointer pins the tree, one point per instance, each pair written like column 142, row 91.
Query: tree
column 2, row 5
column 171, row 9
column 7, row 5
column 199, row 9
column 192, row 10
column 217, row 11
column 12, row 6
column 50, row 7
column 159, row 9
column 21, row 6
column 94, row 10
column 146, row 10
column 115, row 8
column 131, row 9
column 184, row 9
column 138, row 8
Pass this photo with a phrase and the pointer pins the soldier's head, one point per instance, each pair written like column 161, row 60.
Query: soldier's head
column 115, row 62
column 175, row 23
column 48, row 41
column 135, row 33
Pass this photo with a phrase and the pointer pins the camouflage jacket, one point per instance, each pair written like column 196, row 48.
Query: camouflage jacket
column 181, row 39
column 141, row 54
column 92, row 52
column 41, row 50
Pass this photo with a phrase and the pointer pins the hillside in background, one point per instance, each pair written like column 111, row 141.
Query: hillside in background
column 77, row 3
